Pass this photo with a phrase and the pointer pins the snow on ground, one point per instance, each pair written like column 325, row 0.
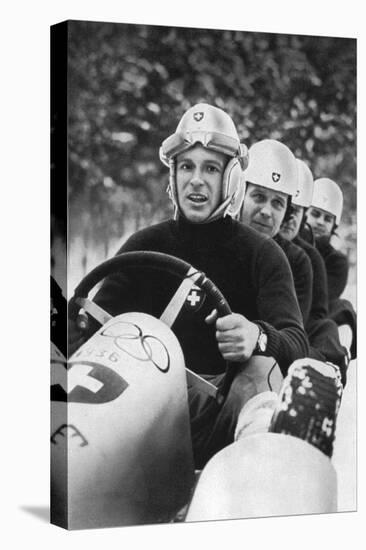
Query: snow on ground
column 345, row 448
column 344, row 456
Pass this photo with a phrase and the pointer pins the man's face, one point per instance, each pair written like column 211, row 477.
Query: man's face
column 322, row 222
column 290, row 228
column 199, row 174
column 264, row 209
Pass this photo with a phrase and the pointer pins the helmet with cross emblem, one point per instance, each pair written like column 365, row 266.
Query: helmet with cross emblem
column 305, row 185
column 214, row 129
column 328, row 196
column 272, row 165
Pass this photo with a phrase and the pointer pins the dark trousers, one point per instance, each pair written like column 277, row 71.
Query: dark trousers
column 213, row 425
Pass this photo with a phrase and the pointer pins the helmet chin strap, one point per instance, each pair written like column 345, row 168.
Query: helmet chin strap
column 220, row 212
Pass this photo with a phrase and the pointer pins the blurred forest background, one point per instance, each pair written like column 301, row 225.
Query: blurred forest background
column 128, row 86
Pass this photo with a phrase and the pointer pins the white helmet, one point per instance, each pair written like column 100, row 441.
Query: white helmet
column 272, row 165
column 328, row 196
column 305, row 185
column 215, row 130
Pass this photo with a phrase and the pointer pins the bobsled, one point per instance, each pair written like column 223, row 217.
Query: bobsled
column 121, row 450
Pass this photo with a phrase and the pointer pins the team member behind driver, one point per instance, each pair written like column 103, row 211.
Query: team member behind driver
column 290, row 230
column 270, row 181
column 322, row 332
column 206, row 158
column 324, row 216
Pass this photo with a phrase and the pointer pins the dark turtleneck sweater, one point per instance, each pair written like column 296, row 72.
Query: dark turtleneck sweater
column 319, row 306
column 302, row 273
column 336, row 265
column 251, row 271
column 321, row 330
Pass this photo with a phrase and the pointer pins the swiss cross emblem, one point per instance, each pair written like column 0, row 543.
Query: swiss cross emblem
column 198, row 116
column 276, row 176
column 195, row 299
column 85, row 382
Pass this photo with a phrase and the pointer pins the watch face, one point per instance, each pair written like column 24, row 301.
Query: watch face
column 262, row 341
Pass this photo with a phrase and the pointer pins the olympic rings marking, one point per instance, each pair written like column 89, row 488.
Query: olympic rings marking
column 152, row 348
column 66, row 430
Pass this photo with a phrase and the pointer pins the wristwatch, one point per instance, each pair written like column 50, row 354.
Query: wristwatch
column 261, row 344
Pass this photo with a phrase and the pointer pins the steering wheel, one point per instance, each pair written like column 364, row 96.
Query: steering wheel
column 162, row 262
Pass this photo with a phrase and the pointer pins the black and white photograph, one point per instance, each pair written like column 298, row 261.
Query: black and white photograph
column 185, row 275
column 209, row 235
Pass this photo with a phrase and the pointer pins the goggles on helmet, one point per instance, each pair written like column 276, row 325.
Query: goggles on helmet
column 178, row 142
